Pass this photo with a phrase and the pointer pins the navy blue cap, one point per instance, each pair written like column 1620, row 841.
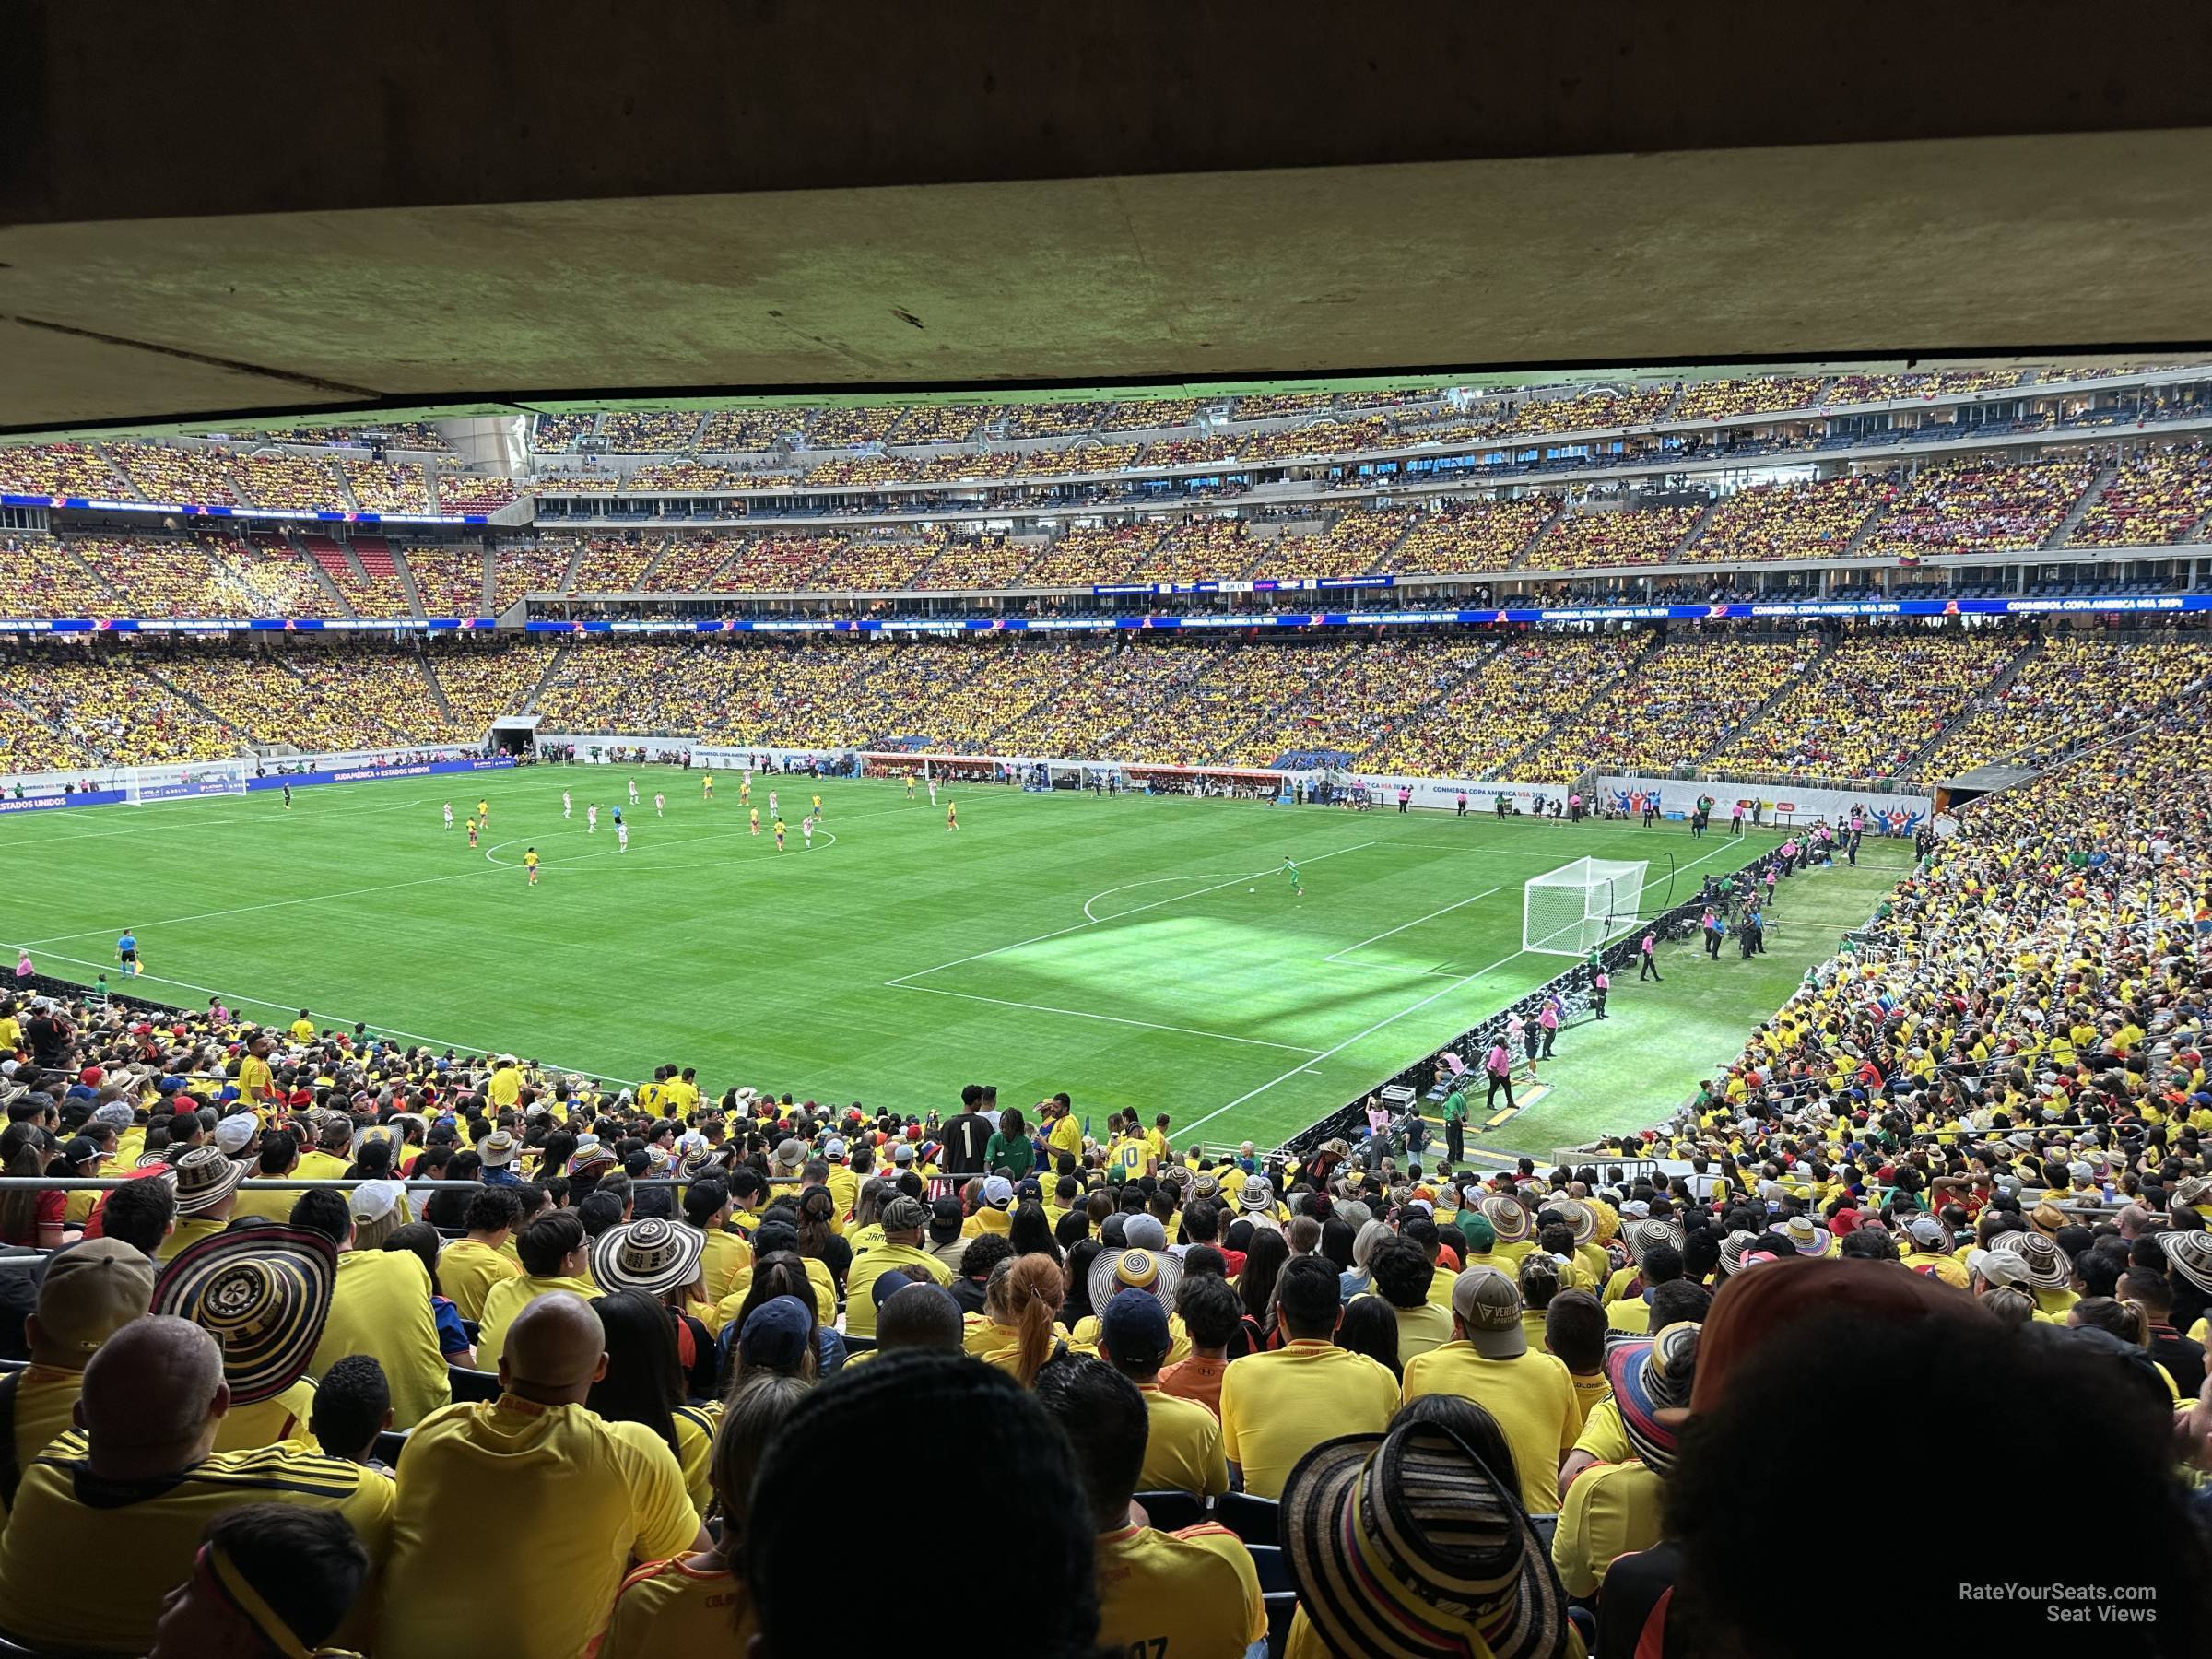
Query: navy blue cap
column 775, row 1334
column 1134, row 1329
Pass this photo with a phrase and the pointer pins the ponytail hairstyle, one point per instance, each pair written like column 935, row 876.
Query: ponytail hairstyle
column 1024, row 1294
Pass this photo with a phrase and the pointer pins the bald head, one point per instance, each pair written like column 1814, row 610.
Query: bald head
column 156, row 1382
column 555, row 1350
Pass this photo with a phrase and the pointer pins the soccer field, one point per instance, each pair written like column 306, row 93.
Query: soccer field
column 1136, row 952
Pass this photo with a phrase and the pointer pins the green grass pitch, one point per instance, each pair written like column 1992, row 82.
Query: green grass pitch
column 1137, row 952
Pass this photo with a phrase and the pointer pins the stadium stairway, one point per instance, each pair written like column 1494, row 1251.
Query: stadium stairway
column 328, row 561
column 183, row 696
column 2106, row 474
column 385, row 562
column 1522, row 559
column 126, row 487
column 2012, row 671
column 1541, row 742
column 1696, row 529
column 429, row 673
column 1856, row 545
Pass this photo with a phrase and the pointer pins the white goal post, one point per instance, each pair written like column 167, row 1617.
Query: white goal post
column 144, row 783
column 1579, row 907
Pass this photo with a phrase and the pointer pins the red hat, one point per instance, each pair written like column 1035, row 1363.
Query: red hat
column 91, row 1076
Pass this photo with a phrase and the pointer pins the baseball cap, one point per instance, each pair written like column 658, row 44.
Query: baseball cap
column 998, row 1191
column 1926, row 1231
column 1135, row 1329
column 82, row 1148
column 1487, row 1304
column 1998, row 1267
column 236, row 1133
column 945, row 1214
column 775, row 1334
column 835, row 1148
column 91, row 1291
column 1143, row 1232
column 903, row 1152
column 373, row 1200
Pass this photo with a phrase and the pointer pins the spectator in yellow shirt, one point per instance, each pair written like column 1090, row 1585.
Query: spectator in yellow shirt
column 1277, row 1406
column 1183, row 1447
column 1192, row 1592
column 1488, row 1361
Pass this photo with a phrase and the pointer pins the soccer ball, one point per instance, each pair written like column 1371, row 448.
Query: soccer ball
column 1251, row 890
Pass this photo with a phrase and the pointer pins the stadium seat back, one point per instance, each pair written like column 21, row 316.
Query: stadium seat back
column 473, row 1384
column 1274, row 1573
column 1252, row 1518
column 1281, row 1605
column 1171, row 1512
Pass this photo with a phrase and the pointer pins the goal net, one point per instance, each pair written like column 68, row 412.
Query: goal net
column 1579, row 907
column 144, row 783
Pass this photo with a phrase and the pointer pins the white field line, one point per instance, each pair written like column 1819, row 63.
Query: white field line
column 1110, row 1018
column 1390, row 1019
column 1090, row 921
column 346, row 810
column 1339, row 955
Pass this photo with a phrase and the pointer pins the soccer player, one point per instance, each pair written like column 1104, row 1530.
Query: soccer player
column 530, row 864
column 817, row 805
column 756, row 820
column 910, row 786
column 633, row 791
column 952, row 815
column 660, row 805
column 932, row 791
column 621, row 834
column 126, row 952
column 772, row 805
column 567, row 807
column 707, row 781
column 807, row 832
column 745, row 789
column 484, row 814
column 472, row 831
column 590, row 818
column 288, row 797
column 449, row 814
column 779, row 835
column 1290, row 870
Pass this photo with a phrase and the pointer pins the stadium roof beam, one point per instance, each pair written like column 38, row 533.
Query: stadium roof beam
column 297, row 211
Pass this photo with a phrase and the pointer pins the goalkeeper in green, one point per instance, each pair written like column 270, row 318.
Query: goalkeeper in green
column 1290, row 870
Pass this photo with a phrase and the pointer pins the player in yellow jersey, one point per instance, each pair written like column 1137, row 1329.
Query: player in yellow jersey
column 755, row 820
column 910, row 786
column 484, row 813
column 779, row 835
column 745, row 789
column 530, row 864
column 472, row 831
column 817, row 807
column 952, row 815
column 707, row 779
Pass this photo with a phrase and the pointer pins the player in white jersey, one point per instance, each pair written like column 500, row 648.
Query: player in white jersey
column 660, row 805
column 621, row 837
column 633, row 791
column 772, row 804
column 806, row 830
column 590, row 818
column 449, row 814
column 932, row 791
column 567, row 807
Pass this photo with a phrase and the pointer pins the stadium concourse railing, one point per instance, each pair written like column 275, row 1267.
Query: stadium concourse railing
column 1572, row 987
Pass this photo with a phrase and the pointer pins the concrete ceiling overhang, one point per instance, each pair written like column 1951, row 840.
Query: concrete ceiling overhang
column 506, row 201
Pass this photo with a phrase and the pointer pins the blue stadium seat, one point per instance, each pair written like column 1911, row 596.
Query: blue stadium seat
column 389, row 1444
column 1252, row 1518
column 473, row 1384
column 1171, row 1512
column 1274, row 1573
